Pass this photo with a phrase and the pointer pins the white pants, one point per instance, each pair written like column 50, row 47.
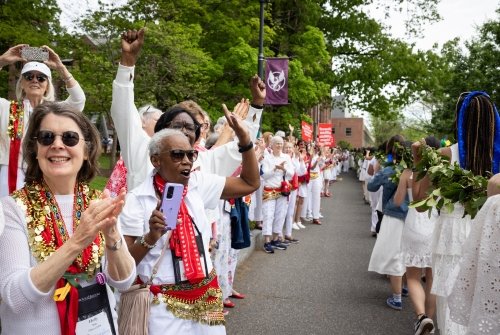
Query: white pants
column 307, row 206
column 316, row 186
column 292, row 203
column 255, row 210
column 273, row 215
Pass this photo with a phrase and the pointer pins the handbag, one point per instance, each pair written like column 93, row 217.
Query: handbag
column 133, row 312
column 285, row 187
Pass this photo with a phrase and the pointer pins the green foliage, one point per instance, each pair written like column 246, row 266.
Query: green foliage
column 344, row 145
column 450, row 184
column 406, row 162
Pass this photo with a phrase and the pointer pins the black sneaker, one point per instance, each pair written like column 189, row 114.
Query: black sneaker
column 268, row 248
column 278, row 245
column 284, row 242
column 291, row 240
column 424, row 325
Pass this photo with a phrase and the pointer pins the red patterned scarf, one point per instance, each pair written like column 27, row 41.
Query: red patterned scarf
column 183, row 240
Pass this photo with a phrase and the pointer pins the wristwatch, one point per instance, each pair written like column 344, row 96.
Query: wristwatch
column 116, row 246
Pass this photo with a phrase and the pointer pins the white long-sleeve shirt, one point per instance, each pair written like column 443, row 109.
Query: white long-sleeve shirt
column 134, row 141
column 273, row 177
column 25, row 310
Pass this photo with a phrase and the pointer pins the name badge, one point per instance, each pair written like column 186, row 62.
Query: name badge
column 94, row 311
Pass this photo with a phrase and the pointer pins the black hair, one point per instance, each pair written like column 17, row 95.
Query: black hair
column 170, row 114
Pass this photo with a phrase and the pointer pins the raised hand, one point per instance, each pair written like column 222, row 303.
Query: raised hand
column 237, row 125
column 258, row 90
column 12, row 55
column 132, row 42
column 54, row 62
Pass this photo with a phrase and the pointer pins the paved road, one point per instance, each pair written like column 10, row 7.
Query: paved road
column 320, row 286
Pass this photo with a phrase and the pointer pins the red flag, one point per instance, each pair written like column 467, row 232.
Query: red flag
column 325, row 134
column 276, row 81
column 306, row 131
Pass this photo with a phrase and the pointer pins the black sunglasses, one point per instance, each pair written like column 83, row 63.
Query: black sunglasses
column 191, row 127
column 39, row 77
column 177, row 155
column 47, row 137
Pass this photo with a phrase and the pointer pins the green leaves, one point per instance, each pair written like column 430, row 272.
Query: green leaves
column 450, row 184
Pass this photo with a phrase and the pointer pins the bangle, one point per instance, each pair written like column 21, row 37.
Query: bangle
column 245, row 148
column 116, row 246
column 68, row 78
column 257, row 106
column 145, row 244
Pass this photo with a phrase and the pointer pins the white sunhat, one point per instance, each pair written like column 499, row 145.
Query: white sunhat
column 37, row 66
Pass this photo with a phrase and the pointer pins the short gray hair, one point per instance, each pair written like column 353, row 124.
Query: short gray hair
column 276, row 139
column 146, row 111
column 155, row 143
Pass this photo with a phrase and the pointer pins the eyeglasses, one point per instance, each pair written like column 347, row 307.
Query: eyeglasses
column 39, row 77
column 191, row 127
column 177, row 155
column 47, row 137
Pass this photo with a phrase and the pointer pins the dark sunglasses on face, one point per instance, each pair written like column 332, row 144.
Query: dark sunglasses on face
column 47, row 137
column 191, row 127
column 39, row 77
column 177, row 155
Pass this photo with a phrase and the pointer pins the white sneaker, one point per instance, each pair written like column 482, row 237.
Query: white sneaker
column 300, row 225
column 295, row 226
column 320, row 216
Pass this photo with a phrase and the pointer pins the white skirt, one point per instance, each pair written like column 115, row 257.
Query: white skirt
column 387, row 258
column 416, row 242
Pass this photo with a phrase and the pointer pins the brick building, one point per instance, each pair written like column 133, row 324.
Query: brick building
column 352, row 130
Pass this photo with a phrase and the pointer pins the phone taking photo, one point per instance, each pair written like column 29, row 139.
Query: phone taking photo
column 34, row 54
column 170, row 203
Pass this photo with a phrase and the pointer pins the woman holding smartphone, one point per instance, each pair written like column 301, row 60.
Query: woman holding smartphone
column 187, row 296
column 33, row 87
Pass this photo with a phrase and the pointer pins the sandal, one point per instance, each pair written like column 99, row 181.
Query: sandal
column 292, row 240
column 237, row 295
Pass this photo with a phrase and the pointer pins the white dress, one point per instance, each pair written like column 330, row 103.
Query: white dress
column 417, row 237
column 387, row 258
column 475, row 299
column 450, row 233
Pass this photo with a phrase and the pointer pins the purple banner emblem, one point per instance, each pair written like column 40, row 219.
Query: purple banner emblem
column 276, row 81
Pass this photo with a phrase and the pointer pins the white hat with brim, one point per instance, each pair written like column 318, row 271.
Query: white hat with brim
column 36, row 66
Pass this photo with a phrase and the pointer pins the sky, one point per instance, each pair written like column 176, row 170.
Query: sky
column 459, row 19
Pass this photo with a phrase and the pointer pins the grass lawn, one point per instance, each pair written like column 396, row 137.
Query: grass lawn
column 99, row 181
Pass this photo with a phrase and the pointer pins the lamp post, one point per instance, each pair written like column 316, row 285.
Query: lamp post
column 260, row 63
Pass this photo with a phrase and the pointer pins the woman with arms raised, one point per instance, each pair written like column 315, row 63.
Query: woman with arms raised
column 33, row 87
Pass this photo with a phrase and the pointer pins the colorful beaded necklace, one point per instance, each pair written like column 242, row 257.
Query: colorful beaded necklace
column 46, row 228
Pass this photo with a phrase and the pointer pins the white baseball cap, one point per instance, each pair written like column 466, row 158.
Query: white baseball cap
column 37, row 66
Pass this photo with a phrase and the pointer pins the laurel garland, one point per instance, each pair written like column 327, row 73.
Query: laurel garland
column 47, row 231
column 450, row 184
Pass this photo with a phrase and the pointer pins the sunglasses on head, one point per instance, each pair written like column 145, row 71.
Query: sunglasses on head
column 47, row 137
column 39, row 77
column 177, row 155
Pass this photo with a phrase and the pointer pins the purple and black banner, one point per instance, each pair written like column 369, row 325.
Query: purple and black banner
column 276, row 81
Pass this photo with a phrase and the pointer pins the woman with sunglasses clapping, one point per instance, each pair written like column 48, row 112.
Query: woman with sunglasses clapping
column 58, row 233
column 33, row 87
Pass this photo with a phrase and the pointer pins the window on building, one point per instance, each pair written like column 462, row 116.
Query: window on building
column 348, row 132
column 333, row 130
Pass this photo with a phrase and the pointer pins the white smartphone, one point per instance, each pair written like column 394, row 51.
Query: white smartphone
column 34, row 53
column 170, row 203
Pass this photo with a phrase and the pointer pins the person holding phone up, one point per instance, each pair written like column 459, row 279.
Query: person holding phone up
column 176, row 263
column 33, row 87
